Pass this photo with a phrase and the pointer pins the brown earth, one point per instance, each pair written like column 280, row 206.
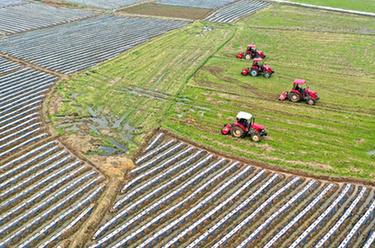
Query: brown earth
column 114, row 168
column 153, row 9
column 63, row 4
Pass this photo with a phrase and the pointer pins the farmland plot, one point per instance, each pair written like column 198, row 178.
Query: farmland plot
column 45, row 191
column 180, row 195
column 106, row 4
column 6, row 66
column 237, row 10
column 33, row 16
column 21, row 93
column 75, row 46
column 209, row 4
column 6, row 3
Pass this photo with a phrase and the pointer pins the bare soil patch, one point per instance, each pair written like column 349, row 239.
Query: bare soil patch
column 153, row 9
column 63, row 4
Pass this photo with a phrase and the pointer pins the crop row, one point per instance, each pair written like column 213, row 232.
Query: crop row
column 236, row 10
column 21, row 94
column 75, row 46
column 7, row 66
column 30, row 16
column 44, row 190
column 179, row 195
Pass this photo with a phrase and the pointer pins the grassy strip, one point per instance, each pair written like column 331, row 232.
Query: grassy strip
column 361, row 5
column 294, row 18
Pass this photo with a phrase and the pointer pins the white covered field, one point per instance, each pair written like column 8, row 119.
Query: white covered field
column 183, row 196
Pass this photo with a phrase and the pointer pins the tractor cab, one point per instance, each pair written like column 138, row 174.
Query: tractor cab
column 244, row 120
column 297, row 86
column 251, row 48
column 245, row 126
column 257, row 62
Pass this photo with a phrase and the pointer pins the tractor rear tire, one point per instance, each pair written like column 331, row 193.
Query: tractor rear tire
column 255, row 137
column 254, row 73
column 310, row 102
column 267, row 75
column 237, row 132
column 294, row 97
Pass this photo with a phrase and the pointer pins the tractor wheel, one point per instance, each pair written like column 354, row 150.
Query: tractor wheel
column 237, row 132
column 267, row 75
column 248, row 57
column 294, row 97
column 255, row 137
column 254, row 73
column 310, row 102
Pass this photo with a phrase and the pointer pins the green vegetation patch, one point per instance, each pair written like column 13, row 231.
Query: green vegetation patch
column 121, row 101
column 361, row 5
column 331, row 138
column 282, row 17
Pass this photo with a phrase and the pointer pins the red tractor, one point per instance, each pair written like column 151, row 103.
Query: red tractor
column 299, row 93
column 245, row 126
column 251, row 53
column 258, row 68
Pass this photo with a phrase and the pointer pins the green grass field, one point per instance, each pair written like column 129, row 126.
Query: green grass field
column 189, row 83
column 361, row 5
column 128, row 95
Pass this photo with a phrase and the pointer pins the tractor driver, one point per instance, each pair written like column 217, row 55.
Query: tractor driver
column 300, row 89
column 243, row 122
column 257, row 64
column 251, row 48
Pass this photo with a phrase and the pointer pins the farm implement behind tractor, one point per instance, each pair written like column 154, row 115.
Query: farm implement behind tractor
column 245, row 126
column 298, row 93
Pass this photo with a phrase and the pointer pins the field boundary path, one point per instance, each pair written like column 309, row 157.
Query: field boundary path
column 347, row 11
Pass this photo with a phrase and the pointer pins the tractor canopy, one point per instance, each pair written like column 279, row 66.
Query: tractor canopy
column 251, row 46
column 257, row 60
column 299, row 81
column 244, row 115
